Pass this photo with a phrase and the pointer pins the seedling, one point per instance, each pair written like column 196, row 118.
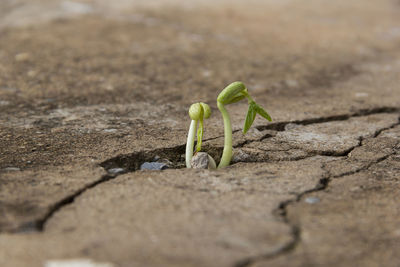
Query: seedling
column 197, row 112
column 233, row 93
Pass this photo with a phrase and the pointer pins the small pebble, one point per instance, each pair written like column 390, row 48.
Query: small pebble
column 153, row 166
column 201, row 160
column 312, row 200
column 116, row 170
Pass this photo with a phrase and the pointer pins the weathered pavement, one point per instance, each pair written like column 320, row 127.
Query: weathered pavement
column 89, row 86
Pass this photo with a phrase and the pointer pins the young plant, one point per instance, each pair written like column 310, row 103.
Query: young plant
column 197, row 112
column 233, row 93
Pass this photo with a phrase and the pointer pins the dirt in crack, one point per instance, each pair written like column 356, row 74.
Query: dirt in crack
column 172, row 157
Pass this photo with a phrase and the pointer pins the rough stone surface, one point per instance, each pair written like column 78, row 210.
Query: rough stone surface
column 336, row 138
column 180, row 217
column 356, row 221
column 91, row 90
column 28, row 197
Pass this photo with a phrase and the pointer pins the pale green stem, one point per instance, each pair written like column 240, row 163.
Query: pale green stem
column 190, row 143
column 227, row 153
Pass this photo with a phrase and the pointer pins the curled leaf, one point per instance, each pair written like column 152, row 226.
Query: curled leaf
column 230, row 92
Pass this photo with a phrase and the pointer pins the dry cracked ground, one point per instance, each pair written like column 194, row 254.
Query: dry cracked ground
column 91, row 89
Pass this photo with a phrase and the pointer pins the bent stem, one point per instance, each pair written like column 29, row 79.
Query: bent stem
column 233, row 93
column 227, row 153
column 190, row 142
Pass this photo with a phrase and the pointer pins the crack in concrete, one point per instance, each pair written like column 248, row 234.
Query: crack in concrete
column 313, row 153
column 132, row 162
column 70, row 199
column 329, row 153
column 280, row 126
column 323, row 183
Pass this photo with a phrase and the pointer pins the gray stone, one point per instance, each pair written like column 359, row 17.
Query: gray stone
column 153, row 166
column 201, row 160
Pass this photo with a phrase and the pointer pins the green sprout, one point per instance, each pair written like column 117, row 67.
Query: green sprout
column 197, row 112
column 233, row 93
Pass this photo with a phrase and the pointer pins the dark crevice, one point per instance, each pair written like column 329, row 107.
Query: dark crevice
column 309, row 154
column 246, row 142
column 173, row 155
column 40, row 224
column 131, row 162
column 295, row 232
column 378, row 132
column 364, row 168
column 280, row 126
column 332, row 153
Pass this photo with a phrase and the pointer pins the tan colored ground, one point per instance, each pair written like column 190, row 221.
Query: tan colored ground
column 93, row 85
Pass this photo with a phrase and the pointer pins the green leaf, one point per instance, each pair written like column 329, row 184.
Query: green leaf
column 200, row 135
column 262, row 112
column 251, row 115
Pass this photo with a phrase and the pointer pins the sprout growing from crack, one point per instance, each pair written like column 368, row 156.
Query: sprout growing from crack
column 233, row 93
column 197, row 112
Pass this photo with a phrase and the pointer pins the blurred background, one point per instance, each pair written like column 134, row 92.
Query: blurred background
column 125, row 50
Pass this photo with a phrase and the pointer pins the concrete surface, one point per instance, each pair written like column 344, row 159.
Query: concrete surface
column 91, row 89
